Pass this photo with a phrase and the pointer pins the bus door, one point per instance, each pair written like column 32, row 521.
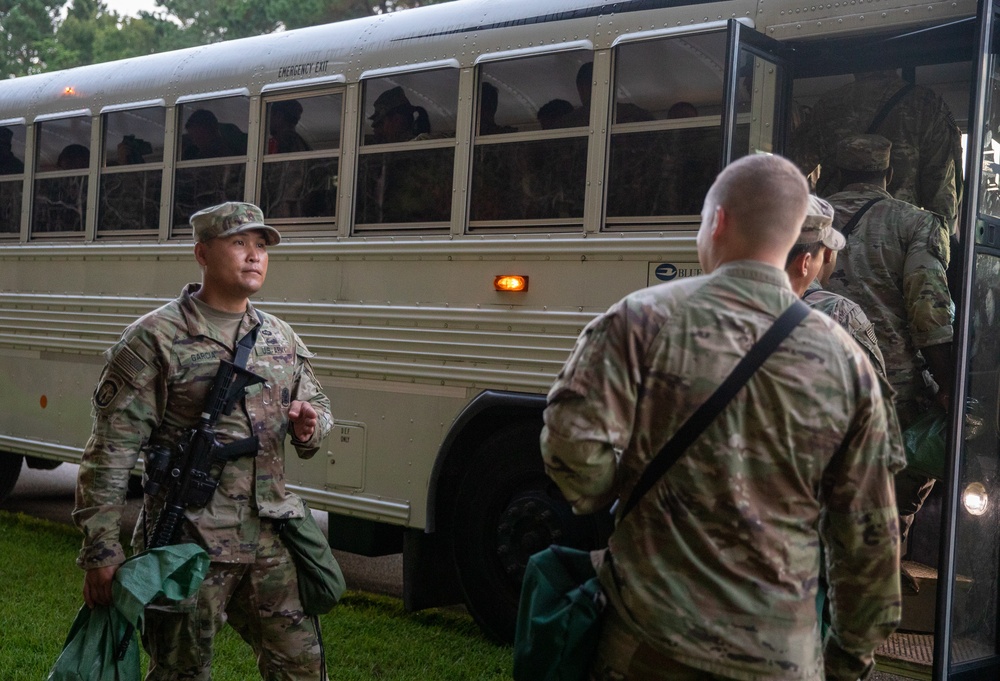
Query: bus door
column 757, row 92
column 966, row 646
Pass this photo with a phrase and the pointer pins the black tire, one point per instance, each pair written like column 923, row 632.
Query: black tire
column 507, row 509
column 10, row 470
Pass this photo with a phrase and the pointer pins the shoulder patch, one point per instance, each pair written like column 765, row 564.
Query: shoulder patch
column 107, row 391
column 127, row 363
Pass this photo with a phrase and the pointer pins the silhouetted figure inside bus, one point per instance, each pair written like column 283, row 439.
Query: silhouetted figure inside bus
column 9, row 163
column 132, row 150
column 205, row 137
column 579, row 116
column 682, row 110
column 489, row 102
column 285, row 116
column 73, row 157
column 396, row 120
column 553, row 114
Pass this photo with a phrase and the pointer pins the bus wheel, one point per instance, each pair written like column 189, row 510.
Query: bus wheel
column 507, row 509
column 10, row 469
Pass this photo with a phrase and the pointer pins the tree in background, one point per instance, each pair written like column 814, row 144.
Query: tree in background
column 38, row 35
column 26, row 26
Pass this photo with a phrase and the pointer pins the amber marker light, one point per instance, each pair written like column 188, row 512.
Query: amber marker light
column 510, row 282
column 69, row 90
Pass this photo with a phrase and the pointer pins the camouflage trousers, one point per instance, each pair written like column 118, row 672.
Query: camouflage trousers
column 623, row 656
column 260, row 601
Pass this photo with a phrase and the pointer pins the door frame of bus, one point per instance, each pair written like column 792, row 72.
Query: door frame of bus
column 742, row 37
column 943, row 667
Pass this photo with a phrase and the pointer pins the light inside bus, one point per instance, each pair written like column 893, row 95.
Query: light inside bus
column 974, row 499
column 510, row 282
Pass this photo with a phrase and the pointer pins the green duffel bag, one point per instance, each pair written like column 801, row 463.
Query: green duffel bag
column 558, row 617
column 924, row 442
column 321, row 582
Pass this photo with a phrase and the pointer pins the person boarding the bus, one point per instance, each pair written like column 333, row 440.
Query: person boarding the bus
column 894, row 266
column 926, row 142
column 151, row 392
column 714, row 574
column 809, row 265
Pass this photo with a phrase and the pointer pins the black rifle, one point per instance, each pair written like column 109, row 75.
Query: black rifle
column 192, row 470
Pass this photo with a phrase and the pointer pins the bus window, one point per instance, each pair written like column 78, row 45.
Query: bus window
column 302, row 157
column 530, row 157
column 62, row 162
column 11, row 178
column 132, row 170
column 666, row 137
column 212, row 148
column 407, row 156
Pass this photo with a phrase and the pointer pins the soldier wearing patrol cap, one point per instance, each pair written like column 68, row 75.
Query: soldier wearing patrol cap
column 809, row 264
column 9, row 163
column 150, row 394
column 894, row 266
column 714, row 573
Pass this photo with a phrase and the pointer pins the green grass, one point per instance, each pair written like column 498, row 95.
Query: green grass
column 366, row 636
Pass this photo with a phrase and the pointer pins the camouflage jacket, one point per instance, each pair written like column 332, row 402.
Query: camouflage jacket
column 894, row 267
column 849, row 315
column 926, row 143
column 717, row 566
column 153, row 390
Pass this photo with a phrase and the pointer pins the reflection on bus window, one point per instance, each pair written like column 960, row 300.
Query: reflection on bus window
column 11, row 178
column 407, row 186
column 666, row 140
column 61, row 181
column 132, row 177
column 302, row 157
column 521, row 171
column 209, row 130
column 411, row 182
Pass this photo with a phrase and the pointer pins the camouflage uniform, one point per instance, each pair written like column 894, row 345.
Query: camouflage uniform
column 153, row 390
column 894, row 267
column 717, row 567
column 926, row 142
column 850, row 316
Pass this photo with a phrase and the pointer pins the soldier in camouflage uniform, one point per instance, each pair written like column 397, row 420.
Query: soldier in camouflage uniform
column 926, row 142
column 151, row 393
column 894, row 267
column 812, row 256
column 714, row 574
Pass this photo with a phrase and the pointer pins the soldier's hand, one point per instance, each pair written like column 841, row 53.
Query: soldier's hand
column 97, row 586
column 303, row 420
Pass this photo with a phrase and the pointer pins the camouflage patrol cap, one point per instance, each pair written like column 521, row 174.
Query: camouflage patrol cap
column 863, row 153
column 231, row 218
column 818, row 225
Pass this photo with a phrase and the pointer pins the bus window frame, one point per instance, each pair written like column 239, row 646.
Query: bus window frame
column 105, row 170
column 477, row 140
column 85, row 233
column 309, row 226
column 363, row 148
column 21, row 177
column 175, row 127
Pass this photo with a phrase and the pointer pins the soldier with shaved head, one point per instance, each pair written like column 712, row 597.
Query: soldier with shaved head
column 714, row 574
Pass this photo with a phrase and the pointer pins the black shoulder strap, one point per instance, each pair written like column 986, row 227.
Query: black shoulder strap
column 245, row 346
column 707, row 412
column 853, row 222
column 887, row 107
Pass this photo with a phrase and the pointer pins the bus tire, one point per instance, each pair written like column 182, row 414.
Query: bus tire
column 10, row 470
column 507, row 509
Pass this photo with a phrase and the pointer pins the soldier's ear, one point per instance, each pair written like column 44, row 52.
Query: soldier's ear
column 199, row 252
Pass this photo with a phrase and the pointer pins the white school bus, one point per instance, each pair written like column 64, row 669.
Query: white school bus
column 461, row 188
